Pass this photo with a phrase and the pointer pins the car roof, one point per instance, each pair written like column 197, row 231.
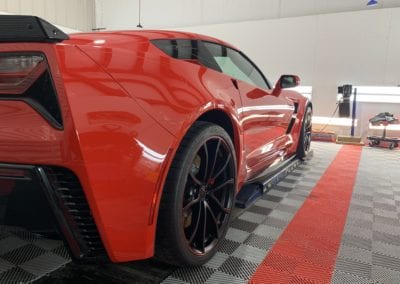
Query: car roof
column 138, row 35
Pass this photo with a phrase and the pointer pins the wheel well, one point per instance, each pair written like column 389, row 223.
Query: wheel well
column 220, row 118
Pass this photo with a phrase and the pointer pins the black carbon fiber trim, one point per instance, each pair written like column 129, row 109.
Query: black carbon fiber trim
column 15, row 28
column 69, row 192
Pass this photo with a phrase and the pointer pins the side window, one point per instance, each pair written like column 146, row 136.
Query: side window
column 187, row 49
column 178, row 48
column 234, row 64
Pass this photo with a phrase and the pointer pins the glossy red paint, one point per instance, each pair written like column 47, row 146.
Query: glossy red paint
column 126, row 106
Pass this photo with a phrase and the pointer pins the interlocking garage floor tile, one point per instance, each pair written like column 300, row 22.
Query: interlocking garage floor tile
column 370, row 244
column 370, row 247
column 25, row 257
column 252, row 234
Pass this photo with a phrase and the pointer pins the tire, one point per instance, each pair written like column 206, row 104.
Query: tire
column 304, row 143
column 198, row 197
column 392, row 146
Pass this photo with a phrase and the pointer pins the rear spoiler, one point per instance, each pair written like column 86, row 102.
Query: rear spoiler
column 15, row 28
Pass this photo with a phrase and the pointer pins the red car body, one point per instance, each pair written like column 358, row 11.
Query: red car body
column 126, row 105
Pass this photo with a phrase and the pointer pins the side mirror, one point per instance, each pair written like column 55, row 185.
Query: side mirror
column 289, row 81
column 284, row 82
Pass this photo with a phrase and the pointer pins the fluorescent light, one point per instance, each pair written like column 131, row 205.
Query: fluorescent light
column 335, row 121
column 304, row 90
column 377, row 99
column 378, row 90
column 377, row 94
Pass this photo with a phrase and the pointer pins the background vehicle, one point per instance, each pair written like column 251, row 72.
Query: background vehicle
column 135, row 143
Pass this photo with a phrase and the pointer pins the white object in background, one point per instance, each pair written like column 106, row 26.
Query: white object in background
column 377, row 94
column 304, row 90
column 335, row 121
column 389, row 127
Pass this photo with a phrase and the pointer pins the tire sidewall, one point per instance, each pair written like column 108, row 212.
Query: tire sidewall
column 189, row 154
column 301, row 151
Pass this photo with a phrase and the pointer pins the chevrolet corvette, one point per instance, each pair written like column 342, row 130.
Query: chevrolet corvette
column 134, row 144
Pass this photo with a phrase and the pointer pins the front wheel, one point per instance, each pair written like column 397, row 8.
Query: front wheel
column 198, row 197
column 304, row 143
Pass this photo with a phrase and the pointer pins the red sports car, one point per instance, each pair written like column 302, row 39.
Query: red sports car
column 133, row 144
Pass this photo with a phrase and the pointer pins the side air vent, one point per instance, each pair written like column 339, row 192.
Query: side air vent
column 76, row 210
column 293, row 119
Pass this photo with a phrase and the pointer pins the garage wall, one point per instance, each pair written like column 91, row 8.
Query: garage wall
column 122, row 14
column 74, row 14
column 361, row 48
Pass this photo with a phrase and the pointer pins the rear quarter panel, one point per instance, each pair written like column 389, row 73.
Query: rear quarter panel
column 123, row 152
column 174, row 92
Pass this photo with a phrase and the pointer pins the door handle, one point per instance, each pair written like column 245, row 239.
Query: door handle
column 235, row 83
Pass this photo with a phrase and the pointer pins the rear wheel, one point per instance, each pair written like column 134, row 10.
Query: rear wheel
column 304, row 145
column 198, row 197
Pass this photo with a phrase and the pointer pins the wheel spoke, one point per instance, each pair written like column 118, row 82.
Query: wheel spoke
column 191, row 203
column 224, row 167
column 195, row 179
column 222, row 208
column 208, row 195
column 213, row 217
column 206, row 162
column 203, row 241
column 215, row 159
column 307, row 141
column 196, row 228
column 229, row 181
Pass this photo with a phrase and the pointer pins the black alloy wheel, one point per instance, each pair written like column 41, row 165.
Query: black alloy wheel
column 304, row 145
column 198, row 197
column 207, row 198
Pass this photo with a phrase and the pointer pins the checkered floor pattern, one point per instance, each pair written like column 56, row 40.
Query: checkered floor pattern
column 26, row 257
column 254, row 232
column 370, row 247
column 369, row 251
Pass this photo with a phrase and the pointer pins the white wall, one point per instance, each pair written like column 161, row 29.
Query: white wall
column 326, row 50
column 361, row 48
column 123, row 14
column 74, row 14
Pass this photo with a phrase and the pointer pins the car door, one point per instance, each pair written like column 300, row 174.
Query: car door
column 264, row 115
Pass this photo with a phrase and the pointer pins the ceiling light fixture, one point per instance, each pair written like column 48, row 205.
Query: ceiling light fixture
column 372, row 3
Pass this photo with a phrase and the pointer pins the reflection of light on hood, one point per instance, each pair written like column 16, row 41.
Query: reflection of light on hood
column 151, row 154
column 99, row 41
column 266, row 107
